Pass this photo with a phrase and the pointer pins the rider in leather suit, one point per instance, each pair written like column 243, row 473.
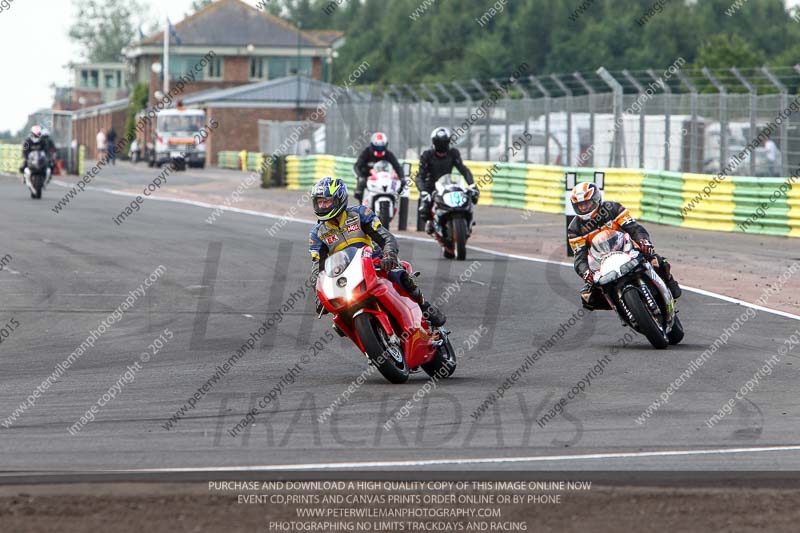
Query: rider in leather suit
column 593, row 216
column 435, row 163
column 340, row 226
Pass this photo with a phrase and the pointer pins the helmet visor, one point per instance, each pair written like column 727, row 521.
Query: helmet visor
column 324, row 203
column 585, row 207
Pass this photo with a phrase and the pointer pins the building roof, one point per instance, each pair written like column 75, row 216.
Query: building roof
column 281, row 92
column 100, row 109
column 328, row 37
column 234, row 23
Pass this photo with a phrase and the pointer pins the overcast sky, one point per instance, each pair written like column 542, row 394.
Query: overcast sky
column 33, row 37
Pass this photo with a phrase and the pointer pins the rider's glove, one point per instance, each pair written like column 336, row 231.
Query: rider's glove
column 474, row 193
column 388, row 262
column 647, row 247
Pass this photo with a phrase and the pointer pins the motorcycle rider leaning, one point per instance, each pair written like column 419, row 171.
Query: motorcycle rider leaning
column 434, row 163
column 340, row 226
column 593, row 216
column 37, row 140
column 376, row 151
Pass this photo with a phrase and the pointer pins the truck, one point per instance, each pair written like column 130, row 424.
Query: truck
column 177, row 139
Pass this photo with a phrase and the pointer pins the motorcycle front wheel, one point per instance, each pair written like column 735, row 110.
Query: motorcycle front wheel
column 384, row 215
column 38, row 182
column 645, row 319
column 458, row 233
column 387, row 358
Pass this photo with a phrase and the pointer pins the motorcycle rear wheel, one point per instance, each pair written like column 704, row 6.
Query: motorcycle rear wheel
column 645, row 320
column 379, row 350
column 676, row 333
column 443, row 364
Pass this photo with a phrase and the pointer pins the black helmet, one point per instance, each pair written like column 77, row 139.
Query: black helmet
column 329, row 197
column 441, row 139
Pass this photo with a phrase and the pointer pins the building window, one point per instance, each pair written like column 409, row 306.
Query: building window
column 256, row 68
column 214, row 69
column 280, row 67
column 110, row 80
column 90, row 79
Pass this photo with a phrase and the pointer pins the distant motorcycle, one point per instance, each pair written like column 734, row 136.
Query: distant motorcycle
column 381, row 193
column 634, row 289
column 452, row 215
column 37, row 173
column 388, row 327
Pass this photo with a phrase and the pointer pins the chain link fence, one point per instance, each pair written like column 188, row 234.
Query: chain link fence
column 678, row 120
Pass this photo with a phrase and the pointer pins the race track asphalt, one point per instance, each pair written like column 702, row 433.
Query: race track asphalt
column 69, row 271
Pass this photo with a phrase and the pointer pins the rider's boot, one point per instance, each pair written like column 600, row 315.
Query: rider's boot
column 432, row 313
column 429, row 227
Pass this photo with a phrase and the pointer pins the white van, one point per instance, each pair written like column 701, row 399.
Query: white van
column 178, row 138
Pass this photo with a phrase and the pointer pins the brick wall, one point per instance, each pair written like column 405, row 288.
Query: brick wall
column 238, row 127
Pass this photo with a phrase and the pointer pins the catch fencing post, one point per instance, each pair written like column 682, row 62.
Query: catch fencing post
column 693, row 152
column 568, row 93
column 784, row 92
column 420, row 127
column 570, row 180
column 488, row 118
column 619, row 127
column 546, row 94
column 508, row 117
column 723, row 117
column 591, row 92
column 667, row 118
column 527, row 96
column 468, row 98
column 753, row 110
column 641, row 91
column 451, row 99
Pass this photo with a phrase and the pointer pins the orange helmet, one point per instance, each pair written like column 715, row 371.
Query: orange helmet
column 585, row 200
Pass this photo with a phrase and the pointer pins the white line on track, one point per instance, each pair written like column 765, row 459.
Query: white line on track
column 469, row 461
column 420, row 239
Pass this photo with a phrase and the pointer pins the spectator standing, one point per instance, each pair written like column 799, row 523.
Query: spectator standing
column 773, row 155
column 101, row 144
column 111, row 137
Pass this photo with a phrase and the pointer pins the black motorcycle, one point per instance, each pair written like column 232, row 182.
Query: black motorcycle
column 452, row 216
column 37, row 172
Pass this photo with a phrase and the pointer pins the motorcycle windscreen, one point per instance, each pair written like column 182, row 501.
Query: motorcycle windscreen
column 382, row 166
column 606, row 242
column 338, row 262
column 450, row 182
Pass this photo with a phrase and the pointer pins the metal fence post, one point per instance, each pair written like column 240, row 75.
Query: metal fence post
column 419, row 127
column 568, row 92
column 546, row 94
column 641, row 91
column 468, row 98
column 667, row 115
column 784, row 92
column 451, row 99
column 693, row 148
column 591, row 92
column 619, row 141
column 753, row 110
column 506, row 105
column 723, row 117
column 489, row 109
column 527, row 96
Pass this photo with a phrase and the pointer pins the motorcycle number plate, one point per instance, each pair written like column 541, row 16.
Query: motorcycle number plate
column 176, row 154
column 453, row 199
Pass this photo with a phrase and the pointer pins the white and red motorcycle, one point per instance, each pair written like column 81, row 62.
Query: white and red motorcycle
column 382, row 193
column 634, row 289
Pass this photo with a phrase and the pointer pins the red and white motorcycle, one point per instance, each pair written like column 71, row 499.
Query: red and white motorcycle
column 382, row 192
column 386, row 325
column 633, row 288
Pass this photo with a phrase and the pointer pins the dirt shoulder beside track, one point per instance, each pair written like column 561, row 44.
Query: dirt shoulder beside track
column 736, row 265
column 164, row 508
